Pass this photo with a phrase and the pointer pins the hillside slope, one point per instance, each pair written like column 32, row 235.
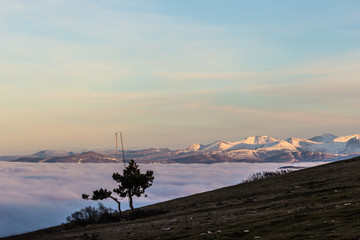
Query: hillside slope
column 316, row 203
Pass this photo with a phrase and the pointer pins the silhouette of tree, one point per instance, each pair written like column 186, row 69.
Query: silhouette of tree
column 131, row 183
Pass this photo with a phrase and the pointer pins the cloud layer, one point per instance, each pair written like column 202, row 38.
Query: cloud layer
column 35, row 196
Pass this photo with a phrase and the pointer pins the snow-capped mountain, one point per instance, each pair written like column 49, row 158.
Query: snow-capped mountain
column 326, row 147
column 327, row 143
column 264, row 148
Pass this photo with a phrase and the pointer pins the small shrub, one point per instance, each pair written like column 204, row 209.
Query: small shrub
column 89, row 214
column 266, row 174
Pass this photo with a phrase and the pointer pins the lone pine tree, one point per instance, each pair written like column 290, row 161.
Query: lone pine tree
column 131, row 183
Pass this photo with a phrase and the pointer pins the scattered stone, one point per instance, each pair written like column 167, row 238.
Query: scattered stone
column 166, row 229
column 347, row 204
column 246, row 231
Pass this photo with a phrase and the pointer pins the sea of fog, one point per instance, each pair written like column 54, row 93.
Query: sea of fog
column 40, row 195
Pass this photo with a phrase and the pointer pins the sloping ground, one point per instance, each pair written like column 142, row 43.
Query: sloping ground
column 316, row 203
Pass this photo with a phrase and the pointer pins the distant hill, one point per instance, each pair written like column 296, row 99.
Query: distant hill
column 322, row 202
column 53, row 153
column 87, row 157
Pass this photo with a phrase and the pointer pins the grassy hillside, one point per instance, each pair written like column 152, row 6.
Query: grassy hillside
column 316, row 203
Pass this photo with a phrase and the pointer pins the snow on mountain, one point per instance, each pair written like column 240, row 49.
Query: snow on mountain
column 258, row 140
column 279, row 145
column 265, row 148
column 270, row 144
column 194, row 147
column 242, row 146
column 253, row 142
column 243, row 154
column 315, row 146
column 301, row 142
column 217, row 146
column 325, row 138
column 346, row 138
column 353, row 145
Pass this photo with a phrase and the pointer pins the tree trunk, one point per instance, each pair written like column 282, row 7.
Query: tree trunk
column 131, row 203
column 119, row 205
column 119, row 208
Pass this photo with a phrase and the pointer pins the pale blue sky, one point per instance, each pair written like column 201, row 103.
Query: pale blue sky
column 170, row 73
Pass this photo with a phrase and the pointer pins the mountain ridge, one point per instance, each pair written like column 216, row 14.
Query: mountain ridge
column 326, row 147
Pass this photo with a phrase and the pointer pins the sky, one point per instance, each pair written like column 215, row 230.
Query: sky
column 56, row 188
column 171, row 73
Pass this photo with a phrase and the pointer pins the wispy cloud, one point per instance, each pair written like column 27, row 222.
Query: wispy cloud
column 208, row 75
column 151, row 67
